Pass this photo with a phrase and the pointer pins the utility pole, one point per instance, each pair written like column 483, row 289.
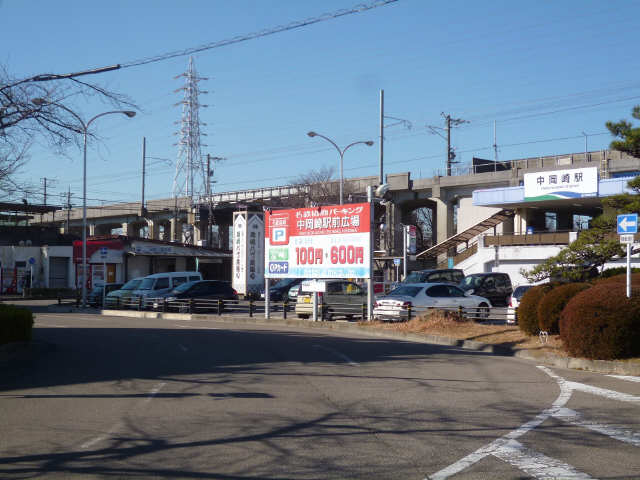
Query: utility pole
column 68, row 209
column 381, row 179
column 449, row 122
column 495, row 147
column 143, row 211
column 450, row 153
column 209, row 199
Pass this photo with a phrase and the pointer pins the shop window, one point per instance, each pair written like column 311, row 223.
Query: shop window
column 550, row 221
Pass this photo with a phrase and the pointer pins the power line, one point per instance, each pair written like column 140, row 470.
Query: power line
column 262, row 33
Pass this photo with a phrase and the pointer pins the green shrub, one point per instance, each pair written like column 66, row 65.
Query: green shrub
column 610, row 272
column 15, row 324
column 51, row 292
column 550, row 306
column 635, row 279
column 528, row 308
column 602, row 323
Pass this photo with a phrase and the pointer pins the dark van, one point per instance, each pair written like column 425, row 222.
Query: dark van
column 495, row 286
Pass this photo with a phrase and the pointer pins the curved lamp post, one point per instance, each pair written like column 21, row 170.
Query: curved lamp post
column 85, row 128
column 341, row 152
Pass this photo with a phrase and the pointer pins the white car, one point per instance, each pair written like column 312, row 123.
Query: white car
column 395, row 305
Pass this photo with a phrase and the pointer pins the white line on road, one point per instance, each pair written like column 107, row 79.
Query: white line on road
column 338, row 354
column 152, row 393
column 40, row 325
column 603, row 392
column 622, row 434
column 626, row 377
column 183, row 348
column 536, row 464
column 193, row 327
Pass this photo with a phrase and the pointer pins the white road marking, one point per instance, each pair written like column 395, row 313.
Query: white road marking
column 183, row 348
column 152, row 393
column 338, row 354
column 506, row 449
column 622, row 434
column 536, row 464
column 603, row 392
column 195, row 327
column 50, row 325
column 626, row 377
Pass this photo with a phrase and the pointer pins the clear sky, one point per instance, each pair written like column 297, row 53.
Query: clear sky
column 544, row 71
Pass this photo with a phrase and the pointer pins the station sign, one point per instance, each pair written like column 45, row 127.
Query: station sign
column 561, row 184
column 322, row 242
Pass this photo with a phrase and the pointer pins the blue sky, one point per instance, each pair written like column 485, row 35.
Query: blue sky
column 542, row 70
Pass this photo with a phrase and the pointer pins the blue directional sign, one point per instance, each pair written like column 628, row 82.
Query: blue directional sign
column 628, row 223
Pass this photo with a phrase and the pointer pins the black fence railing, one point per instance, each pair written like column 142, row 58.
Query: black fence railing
column 349, row 311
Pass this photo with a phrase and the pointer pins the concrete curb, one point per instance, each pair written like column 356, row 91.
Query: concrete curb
column 617, row 367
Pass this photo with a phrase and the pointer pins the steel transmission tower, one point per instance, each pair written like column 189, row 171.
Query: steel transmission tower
column 191, row 175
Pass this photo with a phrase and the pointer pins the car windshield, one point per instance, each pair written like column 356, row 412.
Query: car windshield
column 146, row 284
column 472, row 281
column 519, row 291
column 183, row 287
column 414, row 277
column 284, row 283
column 405, row 291
column 132, row 284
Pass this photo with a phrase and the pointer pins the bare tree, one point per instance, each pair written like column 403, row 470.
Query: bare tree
column 22, row 122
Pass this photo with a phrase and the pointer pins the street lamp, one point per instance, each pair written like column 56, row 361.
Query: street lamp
column 341, row 152
column 85, row 128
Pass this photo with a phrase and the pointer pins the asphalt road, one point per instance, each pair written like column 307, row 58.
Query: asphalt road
column 116, row 397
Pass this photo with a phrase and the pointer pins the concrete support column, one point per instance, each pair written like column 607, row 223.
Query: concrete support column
column 173, row 230
column 127, row 229
column 154, row 229
column 443, row 222
column 223, row 234
column 92, row 229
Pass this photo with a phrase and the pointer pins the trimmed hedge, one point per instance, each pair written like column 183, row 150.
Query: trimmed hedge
column 553, row 302
column 15, row 324
column 602, row 323
column 528, row 308
column 635, row 279
column 610, row 272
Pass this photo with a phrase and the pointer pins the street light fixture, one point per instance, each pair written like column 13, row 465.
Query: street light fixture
column 85, row 127
column 341, row 152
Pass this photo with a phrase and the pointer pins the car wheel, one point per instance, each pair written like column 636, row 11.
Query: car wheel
column 483, row 311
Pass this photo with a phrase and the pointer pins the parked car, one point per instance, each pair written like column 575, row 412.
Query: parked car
column 156, row 285
column 94, row 299
column 205, row 291
column 446, row 275
column 516, row 296
column 395, row 305
column 340, row 298
column 495, row 286
column 280, row 291
column 122, row 296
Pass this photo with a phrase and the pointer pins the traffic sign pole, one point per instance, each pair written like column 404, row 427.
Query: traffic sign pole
column 628, row 270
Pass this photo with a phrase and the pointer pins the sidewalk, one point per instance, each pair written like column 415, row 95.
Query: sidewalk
column 618, row 367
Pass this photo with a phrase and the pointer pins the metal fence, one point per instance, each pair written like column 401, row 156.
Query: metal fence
column 351, row 311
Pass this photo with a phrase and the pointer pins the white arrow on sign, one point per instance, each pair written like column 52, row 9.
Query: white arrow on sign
column 626, row 223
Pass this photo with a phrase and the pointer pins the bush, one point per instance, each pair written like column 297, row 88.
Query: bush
column 635, row 279
column 602, row 323
column 553, row 302
column 528, row 309
column 610, row 272
column 51, row 292
column 15, row 324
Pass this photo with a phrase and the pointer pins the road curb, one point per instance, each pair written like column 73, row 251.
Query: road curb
column 618, row 367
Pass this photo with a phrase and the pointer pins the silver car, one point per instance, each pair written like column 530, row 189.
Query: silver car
column 396, row 304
